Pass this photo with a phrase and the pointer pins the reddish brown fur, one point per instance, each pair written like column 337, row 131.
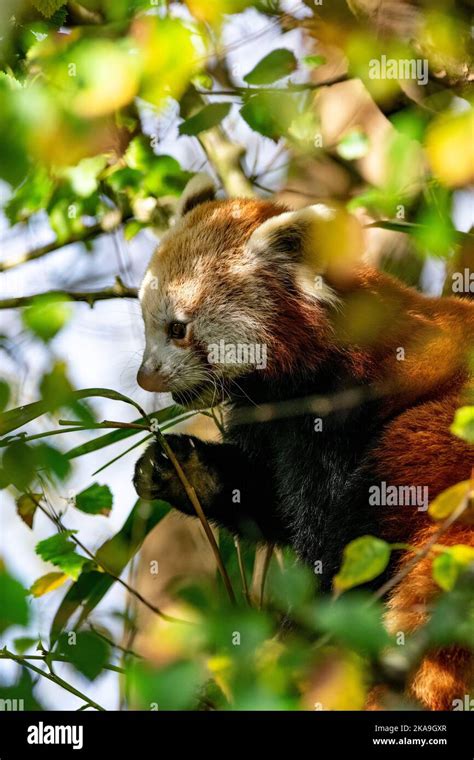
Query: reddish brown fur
column 417, row 448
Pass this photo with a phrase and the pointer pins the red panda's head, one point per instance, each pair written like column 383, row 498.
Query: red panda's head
column 234, row 287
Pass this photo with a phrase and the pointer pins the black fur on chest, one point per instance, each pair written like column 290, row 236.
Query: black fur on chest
column 318, row 479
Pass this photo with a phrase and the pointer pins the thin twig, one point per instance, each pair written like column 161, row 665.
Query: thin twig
column 192, row 496
column 112, row 643
column 88, row 234
column 266, row 564
column 243, row 575
column 5, row 654
column 51, row 656
column 322, row 405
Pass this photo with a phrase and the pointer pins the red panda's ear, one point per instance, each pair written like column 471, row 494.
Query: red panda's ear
column 316, row 237
column 200, row 188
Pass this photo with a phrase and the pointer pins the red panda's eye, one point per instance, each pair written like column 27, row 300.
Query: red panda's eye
column 177, row 330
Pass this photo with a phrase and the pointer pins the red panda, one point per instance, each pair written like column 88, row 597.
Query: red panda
column 251, row 274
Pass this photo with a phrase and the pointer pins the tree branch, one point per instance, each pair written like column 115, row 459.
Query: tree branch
column 55, row 245
column 117, row 290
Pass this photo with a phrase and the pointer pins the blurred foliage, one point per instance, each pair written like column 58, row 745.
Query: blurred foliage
column 86, row 90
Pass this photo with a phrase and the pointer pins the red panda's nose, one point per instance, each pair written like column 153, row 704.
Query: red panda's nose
column 152, row 380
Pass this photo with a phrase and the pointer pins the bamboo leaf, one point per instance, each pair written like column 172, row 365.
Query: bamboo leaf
column 20, row 416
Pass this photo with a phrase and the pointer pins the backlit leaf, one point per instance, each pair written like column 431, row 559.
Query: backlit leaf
column 47, row 315
column 47, row 583
column 60, row 551
column 451, row 500
column 95, row 500
column 86, row 651
column 210, row 116
column 26, row 507
column 363, row 560
column 14, row 608
column 463, row 424
column 276, row 65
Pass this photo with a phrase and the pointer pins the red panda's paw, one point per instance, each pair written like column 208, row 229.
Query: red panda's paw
column 156, row 476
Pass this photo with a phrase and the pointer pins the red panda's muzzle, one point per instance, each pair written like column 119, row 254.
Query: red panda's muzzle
column 152, row 380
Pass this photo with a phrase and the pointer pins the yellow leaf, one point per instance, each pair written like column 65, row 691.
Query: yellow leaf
column 337, row 683
column 26, row 507
column 448, row 501
column 448, row 565
column 463, row 554
column 47, row 583
column 167, row 56
column 450, row 149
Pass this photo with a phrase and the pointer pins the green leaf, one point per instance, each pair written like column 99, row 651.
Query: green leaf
column 173, row 687
column 166, row 177
column 114, row 554
column 450, row 500
column 31, row 196
column 84, row 176
column 448, row 566
column 60, row 551
column 23, row 643
column 452, row 619
column 289, row 585
column 95, row 500
column 86, row 651
column 53, row 461
column 363, row 560
column 271, row 113
column 354, row 144
column 21, row 691
column 14, row 609
column 47, row 583
column 14, row 161
column 435, row 232
column 47, row 315
column 353, row 622
column 20, row 464
column 312, row 61
column 4, row 394
column 210, row 116
column 463, row 425
column 139, row 155
column 125, row 179
column 26, row 507
column 48, row 7
column 56, row 389
column 276, row 65
column 20, row 416
column 132, row 229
